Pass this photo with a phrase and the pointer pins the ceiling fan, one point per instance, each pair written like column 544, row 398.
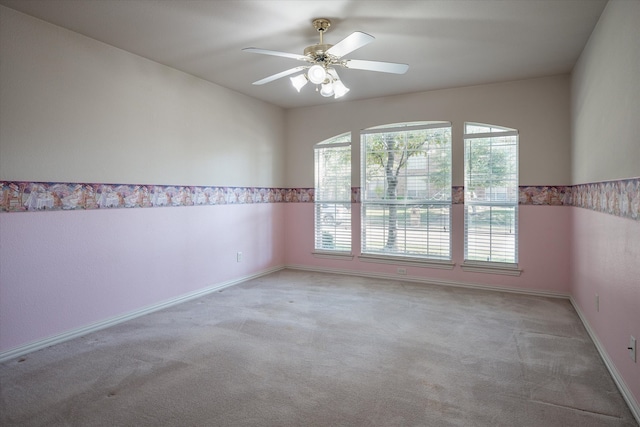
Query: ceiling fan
column 323, row 58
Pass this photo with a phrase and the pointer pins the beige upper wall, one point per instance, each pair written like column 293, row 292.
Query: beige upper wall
column 76, row 110
column 606, row 98
column 538, row 108
column 73, row 109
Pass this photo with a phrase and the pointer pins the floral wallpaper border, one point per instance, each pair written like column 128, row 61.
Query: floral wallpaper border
column 39, row 196
column 620, row 198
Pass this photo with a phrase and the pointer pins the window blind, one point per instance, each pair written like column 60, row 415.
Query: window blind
column 333, row 195
column 491, row 194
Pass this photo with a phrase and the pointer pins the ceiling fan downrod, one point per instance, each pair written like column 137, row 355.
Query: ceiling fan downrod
column 317, row 51
column 321, row 25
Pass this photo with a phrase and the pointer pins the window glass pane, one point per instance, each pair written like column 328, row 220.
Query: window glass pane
column 491, row 173
column 333, row 226
column 491, row 233
column 333, row 173
column 470, row 128
column 407, row 230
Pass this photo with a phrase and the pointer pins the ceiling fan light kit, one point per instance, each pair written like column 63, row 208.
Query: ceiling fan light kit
column 323, row 58
column 317, row 74
column 340, row 89
column 299, row 81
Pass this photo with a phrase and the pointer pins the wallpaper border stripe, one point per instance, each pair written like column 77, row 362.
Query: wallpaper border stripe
column 620, row 198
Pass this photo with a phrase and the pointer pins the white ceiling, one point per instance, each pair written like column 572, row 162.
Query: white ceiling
column 447, row 43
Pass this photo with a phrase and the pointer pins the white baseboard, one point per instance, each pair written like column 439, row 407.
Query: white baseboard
column 617, row 378
column 624, row 390
column 75, row 333
column 430, row 281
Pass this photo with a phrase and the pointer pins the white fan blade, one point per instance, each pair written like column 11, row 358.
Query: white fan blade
column 383, row 67
column 350, row 43
column 275, row 53
column 279, row 75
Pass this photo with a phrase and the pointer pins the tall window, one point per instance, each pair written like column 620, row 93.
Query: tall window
column 491, row 193
column 333, row 194
column 406, row 190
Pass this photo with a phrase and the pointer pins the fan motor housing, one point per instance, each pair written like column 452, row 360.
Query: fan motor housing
column 317, row 51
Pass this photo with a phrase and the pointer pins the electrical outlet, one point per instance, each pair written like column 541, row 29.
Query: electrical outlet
column 597, row 302
column 402, row 270
column 632, row 348
column 239, row 257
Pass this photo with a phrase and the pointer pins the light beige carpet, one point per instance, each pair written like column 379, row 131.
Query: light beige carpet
column 308, row 349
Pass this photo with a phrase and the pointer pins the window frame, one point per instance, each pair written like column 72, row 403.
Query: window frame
column 471, row 261
column 405, row 257
column 325, row 206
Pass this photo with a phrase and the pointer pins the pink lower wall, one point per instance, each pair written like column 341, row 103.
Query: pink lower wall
column 606, row 261
column 63, row 270
column 544, row 246
column 562, row 249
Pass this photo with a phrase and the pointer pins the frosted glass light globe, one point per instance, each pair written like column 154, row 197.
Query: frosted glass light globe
column 327, row 90
column 299, row 81
column 340, row 89
column 316, row 74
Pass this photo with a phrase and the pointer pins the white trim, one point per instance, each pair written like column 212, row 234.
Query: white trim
column 499, row 204
column 413, row 262
column 634, row 406
column 329, row 142
column 382, row 129
column 490, row 134
column 628, row 397
column 84, row 330
column 491, row 268
column 429, row 281
column 56, row 339
column 412, row 202
column 346, row 256
column 499, row 129
column 324, row 145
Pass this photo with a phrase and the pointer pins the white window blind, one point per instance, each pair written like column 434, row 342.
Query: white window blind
column 406, row 190
column 491, row 194
column 333, row 194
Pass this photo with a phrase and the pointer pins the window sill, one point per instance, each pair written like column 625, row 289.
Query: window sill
column 491, row 268
column 345, row 256
column 413, row 262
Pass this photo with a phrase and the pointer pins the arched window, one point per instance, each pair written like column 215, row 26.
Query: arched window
column 491, row 194
column 332, row 159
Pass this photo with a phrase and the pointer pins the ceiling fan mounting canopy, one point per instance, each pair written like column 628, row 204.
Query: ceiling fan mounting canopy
column 321, row 24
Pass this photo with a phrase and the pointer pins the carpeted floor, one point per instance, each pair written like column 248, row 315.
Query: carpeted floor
column 308, row 349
